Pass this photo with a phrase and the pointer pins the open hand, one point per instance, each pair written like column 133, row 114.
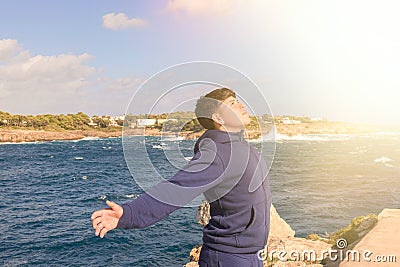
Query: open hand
column 106, row 219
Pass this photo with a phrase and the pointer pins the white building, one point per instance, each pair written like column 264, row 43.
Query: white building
column 145, row 122
column 91, row 123
column 161, row 121
column 316, row 119
column 114, row 120
column 289, row 121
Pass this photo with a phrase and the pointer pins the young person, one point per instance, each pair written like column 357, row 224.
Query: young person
column 230, row 173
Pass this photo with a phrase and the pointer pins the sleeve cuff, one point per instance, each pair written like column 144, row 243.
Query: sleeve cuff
column 126, row 220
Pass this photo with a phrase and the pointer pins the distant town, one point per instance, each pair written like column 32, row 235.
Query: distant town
column 166, row 121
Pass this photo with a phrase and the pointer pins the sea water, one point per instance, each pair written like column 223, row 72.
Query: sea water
column 48, row 191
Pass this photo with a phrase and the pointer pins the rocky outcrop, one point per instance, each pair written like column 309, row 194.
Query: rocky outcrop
column 278, row 227
column 195, row 253
column 281, row 239
column 17, row 136
column 381, row 242
column 284, row 249
column 356, row 230
column 203, row 213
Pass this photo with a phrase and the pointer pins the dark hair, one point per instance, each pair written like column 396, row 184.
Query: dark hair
column 208, row 104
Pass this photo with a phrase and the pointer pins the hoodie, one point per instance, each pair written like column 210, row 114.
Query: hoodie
column 232, row 175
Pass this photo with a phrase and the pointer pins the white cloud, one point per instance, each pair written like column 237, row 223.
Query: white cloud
column 202, row 7
column 112, row 95
column 126, row 84
column 8, row 49
column 39, row 84
column 30, row 84
column 121, row 21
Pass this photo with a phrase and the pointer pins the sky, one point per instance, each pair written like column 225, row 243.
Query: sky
column 332, row 59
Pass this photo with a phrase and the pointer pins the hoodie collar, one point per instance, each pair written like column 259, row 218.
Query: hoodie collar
column 221, row 137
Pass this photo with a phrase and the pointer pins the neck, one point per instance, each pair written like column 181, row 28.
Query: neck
column 229, row 129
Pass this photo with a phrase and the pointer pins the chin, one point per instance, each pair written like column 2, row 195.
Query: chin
column 246, row 120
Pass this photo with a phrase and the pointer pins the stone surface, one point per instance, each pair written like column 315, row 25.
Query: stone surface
column 195, row 253
column 191, row 264
column 203, row 213
column 16, row 136
column 294, row 248
column 278, row 227
column 382, row 241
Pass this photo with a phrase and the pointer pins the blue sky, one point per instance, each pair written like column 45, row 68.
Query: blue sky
column 338, row 60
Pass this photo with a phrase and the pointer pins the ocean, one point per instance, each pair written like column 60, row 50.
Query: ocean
column 48, row 191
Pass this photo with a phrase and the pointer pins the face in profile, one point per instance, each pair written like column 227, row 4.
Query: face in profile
column 232, row 115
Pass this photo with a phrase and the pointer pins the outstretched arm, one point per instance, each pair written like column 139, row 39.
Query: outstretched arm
column 202, row 172
column 106, row 219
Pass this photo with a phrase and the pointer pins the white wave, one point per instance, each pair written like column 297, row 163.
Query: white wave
column 102, row 197
column 172, row 138
column 362, row 151
column 388, row 133
column 162, row 146
column 15, row 262
column 259, row 140
column 131, row 195
column 90, row 138
column 307, row 137
column 22, row 143
column 384, row 161
column 381, row 135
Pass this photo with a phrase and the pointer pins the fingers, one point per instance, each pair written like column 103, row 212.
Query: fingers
column 102, row 229
column 96, row 214
column 98, row 229
column 95, row 222
column 103, row 232
column 104, row 220
column 111, row 204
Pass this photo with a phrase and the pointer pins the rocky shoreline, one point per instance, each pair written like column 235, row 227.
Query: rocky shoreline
column 19, row 136
column 22, row 135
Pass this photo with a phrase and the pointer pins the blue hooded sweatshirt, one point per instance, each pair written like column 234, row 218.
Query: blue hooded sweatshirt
column 232, row 175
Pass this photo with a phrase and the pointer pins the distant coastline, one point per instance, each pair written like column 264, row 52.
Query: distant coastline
column 25, row 135
column 17, row 128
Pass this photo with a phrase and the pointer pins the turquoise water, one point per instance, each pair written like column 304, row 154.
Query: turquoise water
column 48, row 191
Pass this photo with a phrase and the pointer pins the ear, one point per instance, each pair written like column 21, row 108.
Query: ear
column 216, row 118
